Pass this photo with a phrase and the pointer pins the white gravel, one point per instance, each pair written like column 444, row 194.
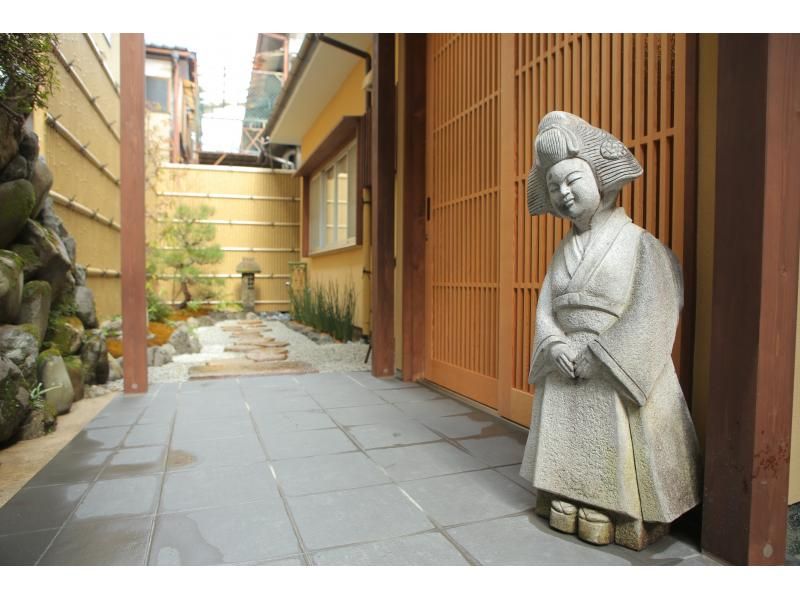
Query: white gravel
column 333, row 357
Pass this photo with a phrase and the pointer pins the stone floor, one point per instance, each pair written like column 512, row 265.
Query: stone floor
column 321, row 469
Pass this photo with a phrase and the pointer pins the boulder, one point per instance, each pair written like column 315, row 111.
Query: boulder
column 50, row 220
column 53, row 255
column 84, row 303
column 80, row 276
column 65, row 334
column 11, row 284
column 158, row 356
column 29, row 145
column 14, row 399
column 55, row 380
column 17, row 199
column 31, row 263
column 20, row 345
column 35, row 309
column 184, row 341
column 205, row 321
column 94, row 355
column 10, row 134
column 16, row 169
column 39, row 422
column 75, row 370
column 252, row 316
column 114, row 369
column 112, row 328
column 42, row 181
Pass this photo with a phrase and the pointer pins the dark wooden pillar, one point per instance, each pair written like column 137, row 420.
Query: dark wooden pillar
column 757, row 234
column 383, row 166
column 414, row 207
column 134, row 305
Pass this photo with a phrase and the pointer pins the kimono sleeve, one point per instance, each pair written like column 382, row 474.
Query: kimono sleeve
column 547, row 333
column 637, row 348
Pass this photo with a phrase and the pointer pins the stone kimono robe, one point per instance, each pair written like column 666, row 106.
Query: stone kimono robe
column 621, row 441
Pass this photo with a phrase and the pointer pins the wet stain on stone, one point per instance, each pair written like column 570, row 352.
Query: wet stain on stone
column 179, row 541
column 180, row 459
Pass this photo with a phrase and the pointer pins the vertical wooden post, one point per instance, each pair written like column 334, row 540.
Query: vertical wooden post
column 757, row 234
column 383, row 167
column 134, row 306
column 414, row 212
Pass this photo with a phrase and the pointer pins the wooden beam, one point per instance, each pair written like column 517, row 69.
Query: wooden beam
column 383, row 167
column 342, row 134
column 414, row 205
column 134, row 305
column 757, row 234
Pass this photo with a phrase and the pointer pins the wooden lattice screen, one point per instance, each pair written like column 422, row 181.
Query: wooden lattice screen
column 488, row 257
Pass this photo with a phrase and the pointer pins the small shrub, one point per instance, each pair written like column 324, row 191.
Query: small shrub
column 157, row 309
column 27, row 70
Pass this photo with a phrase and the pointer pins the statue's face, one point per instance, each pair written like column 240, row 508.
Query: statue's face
column 573, row 191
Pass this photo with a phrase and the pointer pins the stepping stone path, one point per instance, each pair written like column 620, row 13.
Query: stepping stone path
column 261, row 354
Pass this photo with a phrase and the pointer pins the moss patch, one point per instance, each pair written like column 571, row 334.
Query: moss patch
column 31, row 261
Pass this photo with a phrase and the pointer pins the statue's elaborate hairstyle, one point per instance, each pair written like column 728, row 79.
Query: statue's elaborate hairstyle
column 562, row 135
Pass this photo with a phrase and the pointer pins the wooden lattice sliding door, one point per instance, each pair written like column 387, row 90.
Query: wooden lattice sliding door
column 463, row 114
column 487, row 257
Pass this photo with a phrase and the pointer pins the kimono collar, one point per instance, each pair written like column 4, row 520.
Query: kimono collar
column 601, row 241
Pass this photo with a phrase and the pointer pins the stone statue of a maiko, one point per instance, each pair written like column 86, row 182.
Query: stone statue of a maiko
column 612, row 451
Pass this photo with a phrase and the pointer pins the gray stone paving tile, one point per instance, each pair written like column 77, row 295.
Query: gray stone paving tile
column 699, row 561
column 264, row 382
column 435, row 408
column 288, row 445
column 396, row 433
column 410, row 394
column 496, row 450
column 25, row 548
column 97, row 439
column 251, row 531
column 159, row 413
column 471, row 496
column 367, row 380
column 367, row 414
column 326, row 473
column 291, row 562
column 350, row 396
column 476, row 423
column 217, row 452
column 512, row 473
column 355, row 516
column 130, row 462
column 281, row 404
column 148, row 435
column 45, row 507
column 292, row 421
column 67, row 467
column 125, row 418
column 424, row 461
column 101, row 542
column 215, row 409
column 204, row 487
column 667, row 549
column 526, row 540
column 122, row 497
column 209, row 386
column 323, row 379
column 423, row 549
column 187, row 430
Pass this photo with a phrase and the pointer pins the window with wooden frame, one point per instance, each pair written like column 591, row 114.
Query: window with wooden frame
column 333, row 203
column 334, row 177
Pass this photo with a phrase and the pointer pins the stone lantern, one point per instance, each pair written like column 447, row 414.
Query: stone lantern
column 248, row 269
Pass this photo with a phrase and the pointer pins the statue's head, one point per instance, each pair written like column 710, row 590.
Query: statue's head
column 578, row 168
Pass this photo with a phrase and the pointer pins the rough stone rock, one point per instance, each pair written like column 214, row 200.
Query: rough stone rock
column 112, row 328
column 94, row 355
column 16, row 169
column 20, row 344
column 80, row 276
column 11, row 285
column 30, row 259
column 42, row 181
column 54, row 376
column 17, row 199
column 158, row 356
column 114, row 369
column 84, row 302
column 251, row 316
column 50, row 220
column 35, row 309
column 184, row 341
column 29, row 145
column 10, row 134
column 38, row 423
column 205, row 321
column 14, row 399
column 74, row 367
column 192, row 322
column 53, row 255
column 66, row 334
